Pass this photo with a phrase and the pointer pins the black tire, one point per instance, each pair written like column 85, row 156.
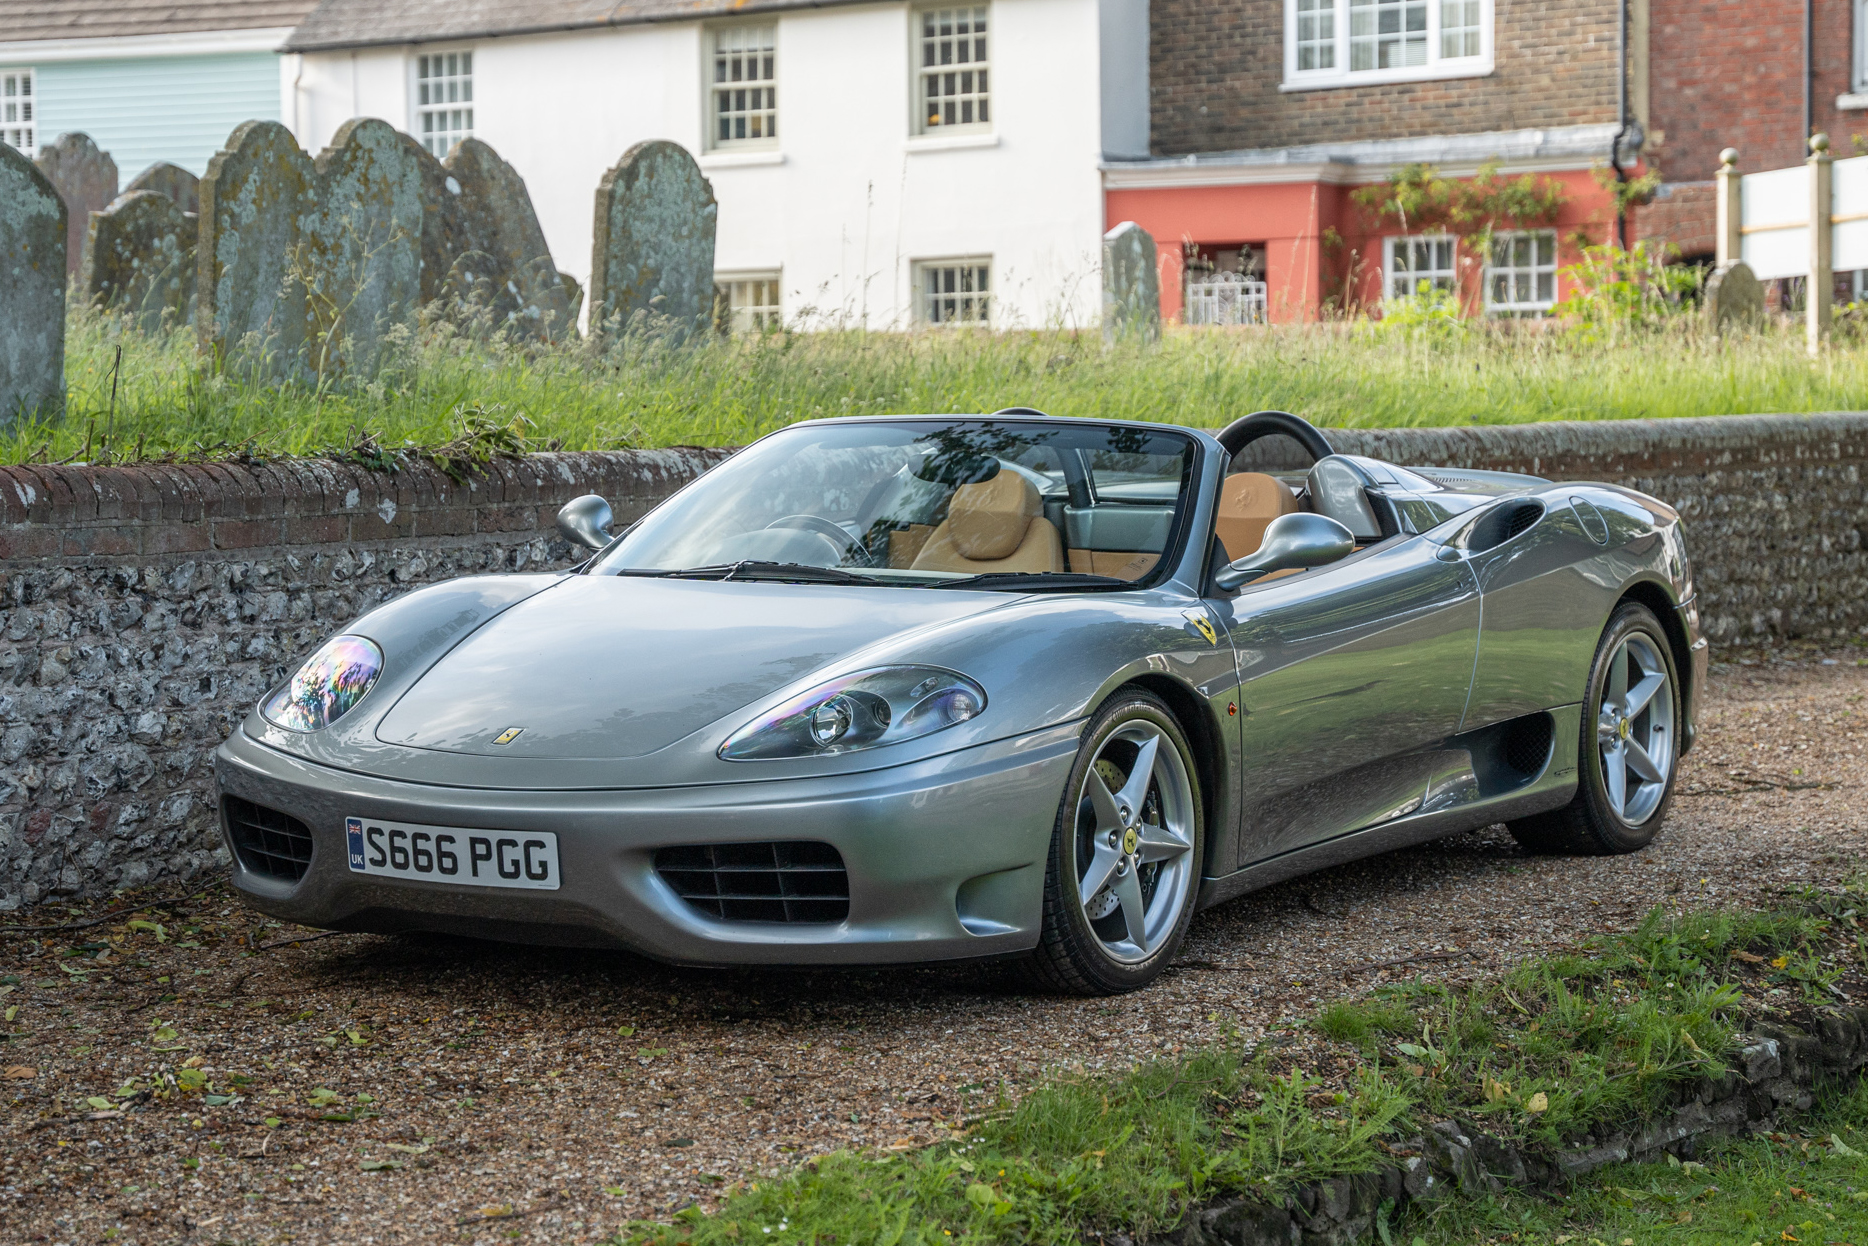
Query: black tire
column 1071, row 956
column 1591, row 824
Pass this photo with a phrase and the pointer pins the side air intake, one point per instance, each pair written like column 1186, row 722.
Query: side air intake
column 1502, row 523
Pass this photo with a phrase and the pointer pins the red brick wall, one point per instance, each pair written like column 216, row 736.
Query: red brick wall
column 1723, row 74
column 1215, row 66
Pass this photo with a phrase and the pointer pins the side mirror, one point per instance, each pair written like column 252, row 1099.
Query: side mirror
column 586, row 521
column 1300, row 540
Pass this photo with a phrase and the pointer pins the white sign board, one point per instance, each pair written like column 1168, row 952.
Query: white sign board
column 1774, row 222
column 1849, row 210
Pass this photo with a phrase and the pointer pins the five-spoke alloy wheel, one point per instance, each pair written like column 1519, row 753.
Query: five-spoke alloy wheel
column 1630, row 748
column 1125, row 853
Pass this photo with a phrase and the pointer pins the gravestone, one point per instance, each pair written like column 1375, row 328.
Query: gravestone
column 250, row 304
column 33, row 241
column 362, row 245
column 139, row 259
column 494, row 247
column 1131, row 285
column 1734, row 297
column 651, row 262
column 171, row 180
column 86, row 179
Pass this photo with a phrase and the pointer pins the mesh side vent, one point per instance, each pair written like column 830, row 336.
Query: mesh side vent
column 269, row 842
column 796, row 881
column 1527, row 743
column 1504, row 522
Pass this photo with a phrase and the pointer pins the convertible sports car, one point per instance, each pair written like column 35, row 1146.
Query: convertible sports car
column 908, row 689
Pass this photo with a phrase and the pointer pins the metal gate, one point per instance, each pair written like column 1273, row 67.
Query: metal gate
column 1224, row 298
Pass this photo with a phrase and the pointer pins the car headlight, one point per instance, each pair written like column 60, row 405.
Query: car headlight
column 863, row 710
column 327, row 686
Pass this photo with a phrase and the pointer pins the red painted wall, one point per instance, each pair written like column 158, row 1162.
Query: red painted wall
column 1290, row 219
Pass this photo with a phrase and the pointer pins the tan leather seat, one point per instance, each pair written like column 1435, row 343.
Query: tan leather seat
column 994, row 525
column 1248, row 502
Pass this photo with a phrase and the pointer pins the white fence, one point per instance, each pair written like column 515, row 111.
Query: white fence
column 1797, row 222
column 1224, row 298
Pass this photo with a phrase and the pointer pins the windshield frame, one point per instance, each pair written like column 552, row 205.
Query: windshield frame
column 1187, row 505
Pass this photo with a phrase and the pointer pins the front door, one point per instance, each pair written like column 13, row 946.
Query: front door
column 1347, row 673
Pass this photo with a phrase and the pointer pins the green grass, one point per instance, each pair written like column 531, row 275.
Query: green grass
column 1568, row 1043
column 166, row 403
column 1810, row 1187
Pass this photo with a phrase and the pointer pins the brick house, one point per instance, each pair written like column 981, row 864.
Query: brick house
column 1268, row 115
column 1726, row 75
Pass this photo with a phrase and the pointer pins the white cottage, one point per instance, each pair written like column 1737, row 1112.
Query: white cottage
column 878, row 164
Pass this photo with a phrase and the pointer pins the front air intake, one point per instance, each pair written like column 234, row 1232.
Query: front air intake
column 795, row 881
column 268, row 842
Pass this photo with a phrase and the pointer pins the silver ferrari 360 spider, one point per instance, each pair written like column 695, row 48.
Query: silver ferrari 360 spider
column 911, row 689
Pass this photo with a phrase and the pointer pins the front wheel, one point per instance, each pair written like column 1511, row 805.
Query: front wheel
column 1124, row 866
column 1630, row 750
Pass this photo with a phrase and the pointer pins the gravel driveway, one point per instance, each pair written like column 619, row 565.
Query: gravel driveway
column 498, row 1094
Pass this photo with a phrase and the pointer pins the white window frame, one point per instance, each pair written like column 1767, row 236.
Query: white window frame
column 1339, row 74
column 24, row 126
column 981, row 98
column 963, row 299
column 744, row 316
column 710, row 105
column 418, row 111
column 1415, row 276
column 1535, row 306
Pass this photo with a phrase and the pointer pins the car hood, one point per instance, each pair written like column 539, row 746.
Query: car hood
column 615, row 667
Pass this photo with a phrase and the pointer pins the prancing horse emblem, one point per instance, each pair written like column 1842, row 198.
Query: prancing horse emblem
column 1202, row 624
column 508, row 735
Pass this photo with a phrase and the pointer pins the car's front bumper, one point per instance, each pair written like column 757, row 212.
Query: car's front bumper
column 945, row 857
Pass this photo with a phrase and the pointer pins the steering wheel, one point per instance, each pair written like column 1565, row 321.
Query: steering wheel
column 823, row 527
column 1242, row 432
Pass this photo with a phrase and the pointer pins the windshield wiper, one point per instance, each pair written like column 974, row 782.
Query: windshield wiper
column 1034, row 580
column 755, row 570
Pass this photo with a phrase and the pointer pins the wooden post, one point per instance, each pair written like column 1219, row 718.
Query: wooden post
column 1820, row 292
column 1731, row 240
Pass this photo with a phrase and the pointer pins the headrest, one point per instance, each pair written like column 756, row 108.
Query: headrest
column 1255, row 495
column 988, row 520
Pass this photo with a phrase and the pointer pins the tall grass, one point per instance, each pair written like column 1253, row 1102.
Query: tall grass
column 162, row 400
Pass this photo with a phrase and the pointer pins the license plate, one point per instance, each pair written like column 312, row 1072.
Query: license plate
column 447, row 854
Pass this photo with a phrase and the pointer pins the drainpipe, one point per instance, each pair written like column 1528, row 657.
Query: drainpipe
column 298, row 79
column 1809, row 71
column 1621, row 118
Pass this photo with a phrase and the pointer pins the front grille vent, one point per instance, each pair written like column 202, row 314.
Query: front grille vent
column 794, row 881
column 269, row 842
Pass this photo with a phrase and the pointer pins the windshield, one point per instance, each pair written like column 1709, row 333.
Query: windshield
column 991, row 503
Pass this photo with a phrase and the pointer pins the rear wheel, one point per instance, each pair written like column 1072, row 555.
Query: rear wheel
column 1123, row 873
column 1630, row 748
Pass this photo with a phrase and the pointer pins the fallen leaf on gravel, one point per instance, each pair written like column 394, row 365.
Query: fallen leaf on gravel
column 21, row 1072
column 626, row 1031
column 649, row 1053
column 1748, row 958
column 380, row 1165
column 99, row 1103
column 407, row 1149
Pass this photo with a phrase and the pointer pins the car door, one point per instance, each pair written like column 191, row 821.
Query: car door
column 1345, row 673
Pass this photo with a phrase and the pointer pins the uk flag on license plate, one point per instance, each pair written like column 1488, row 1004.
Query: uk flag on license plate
column 353, row 831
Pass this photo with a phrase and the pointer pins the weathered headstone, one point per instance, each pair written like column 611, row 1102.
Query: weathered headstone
column 33, row 240
column 494, row 246
column 139, row 259
column 651, row 262
column 1131, row 285
column 1734, row 297
column 362, row 246
column 86, row 179
column 171, row 180
column 250, row 304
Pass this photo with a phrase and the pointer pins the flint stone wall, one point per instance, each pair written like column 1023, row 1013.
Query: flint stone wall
column 144, row 610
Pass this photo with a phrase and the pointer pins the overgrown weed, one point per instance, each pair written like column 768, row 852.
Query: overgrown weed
column 642, row 390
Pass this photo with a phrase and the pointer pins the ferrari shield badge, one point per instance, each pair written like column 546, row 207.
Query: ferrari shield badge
column 508, row 735
column 1202, row 624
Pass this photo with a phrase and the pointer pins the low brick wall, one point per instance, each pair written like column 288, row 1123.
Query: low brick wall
column 143, row 610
